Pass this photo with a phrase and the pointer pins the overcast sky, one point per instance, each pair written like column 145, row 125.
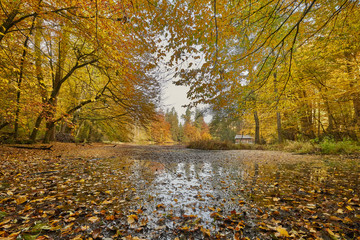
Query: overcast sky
column 175, row 96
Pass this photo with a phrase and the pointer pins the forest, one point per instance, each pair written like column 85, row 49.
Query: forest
column 81, row 81
column 89, row 70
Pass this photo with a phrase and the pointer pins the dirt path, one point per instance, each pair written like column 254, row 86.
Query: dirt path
column 104, row 191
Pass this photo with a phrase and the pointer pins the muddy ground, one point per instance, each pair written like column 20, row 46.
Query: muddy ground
column 103, row 191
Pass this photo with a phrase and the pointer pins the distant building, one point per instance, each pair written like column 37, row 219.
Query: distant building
column 244, row 139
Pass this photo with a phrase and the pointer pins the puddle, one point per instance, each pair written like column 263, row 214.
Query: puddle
column 180, row 192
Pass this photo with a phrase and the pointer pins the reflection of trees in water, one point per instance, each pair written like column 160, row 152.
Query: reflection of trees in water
column 254, row 178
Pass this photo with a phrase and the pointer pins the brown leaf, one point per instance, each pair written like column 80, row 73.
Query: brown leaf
column 144, row 222
column 96, row 233
column 334, row 218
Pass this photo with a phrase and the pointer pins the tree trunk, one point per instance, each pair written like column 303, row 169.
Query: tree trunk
column 278, row 116
column 36, row 128
column 19, row 82
column 354, row 84
column 306, row 115
column 58, row 80
column 279, row 129
column 39, row 77
column 4, row 125
column 9, row 22
column 257, row 128
column 49, row 132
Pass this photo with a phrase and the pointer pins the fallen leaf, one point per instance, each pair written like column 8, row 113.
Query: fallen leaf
column 78, row 237
column 340, row 211
column 96, row 233
column 347, row 220
column 349, row 208
column 205, row 231
column 332, row 234
column 144, row 222
column 107, row 202
column 334, row 218
column 132, row 219
column 282, row 231
column 21, row 200
column 93, row 219
column 160, row 206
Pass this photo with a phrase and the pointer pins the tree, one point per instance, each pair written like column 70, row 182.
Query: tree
column 172, row 118
column 87, row 56
column 160, row 129
column 248, row 42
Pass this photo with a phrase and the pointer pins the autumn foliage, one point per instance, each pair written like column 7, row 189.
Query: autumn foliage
column 67, row 65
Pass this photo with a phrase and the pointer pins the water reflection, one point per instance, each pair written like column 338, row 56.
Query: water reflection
column 173, row 184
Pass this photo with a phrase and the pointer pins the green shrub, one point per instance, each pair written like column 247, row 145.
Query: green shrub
column 330, row 146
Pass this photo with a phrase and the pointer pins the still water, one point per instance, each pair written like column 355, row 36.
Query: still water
column 176, row 192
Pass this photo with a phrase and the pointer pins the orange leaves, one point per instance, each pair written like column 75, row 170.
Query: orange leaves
column 160, row 206
column 160, row 129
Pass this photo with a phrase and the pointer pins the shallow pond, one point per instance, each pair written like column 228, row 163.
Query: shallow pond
column 154, row 192
column 175, row 192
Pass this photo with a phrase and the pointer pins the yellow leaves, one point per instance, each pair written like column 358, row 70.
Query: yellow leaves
column 132, row 219
column 283, row 232
column 216, row 215
column 12, row 236
column 205, row 231
column 332, row 234
column 108, row 201
column 78, row 237
column 276, row 199
column 132, row 238
column 20, row 200
column 93, row 219
column 240, row 226
column 349, row 208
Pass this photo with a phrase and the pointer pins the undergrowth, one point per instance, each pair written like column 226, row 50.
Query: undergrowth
column 222, row 145
column 326, row 146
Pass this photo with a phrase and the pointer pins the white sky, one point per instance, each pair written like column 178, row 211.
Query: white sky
column 175, row 96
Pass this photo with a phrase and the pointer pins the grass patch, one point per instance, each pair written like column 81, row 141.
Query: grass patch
column 326, row 146
column 222, row 145
column 329, row 146
column 300, row 147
